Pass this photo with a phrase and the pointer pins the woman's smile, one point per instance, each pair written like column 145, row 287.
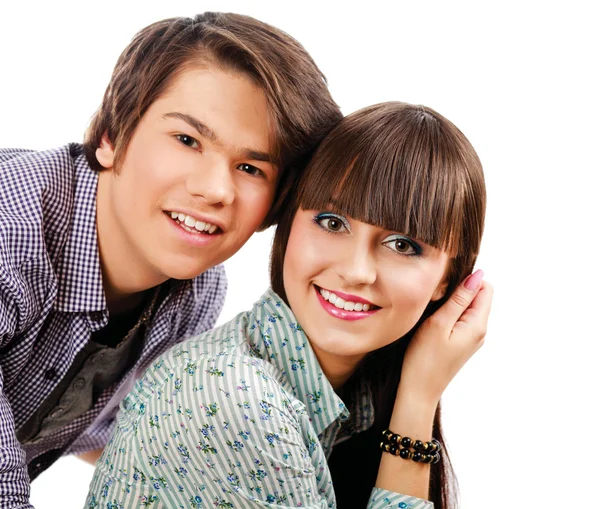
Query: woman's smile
column 345, row 306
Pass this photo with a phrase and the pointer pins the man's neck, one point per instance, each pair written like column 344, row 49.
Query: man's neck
column 120, row 305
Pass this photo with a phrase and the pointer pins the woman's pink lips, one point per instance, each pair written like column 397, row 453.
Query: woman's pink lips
column 351, row 298
column 342, row 313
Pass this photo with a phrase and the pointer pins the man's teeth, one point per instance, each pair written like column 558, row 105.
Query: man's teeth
column 346, row 305
column 189, row 221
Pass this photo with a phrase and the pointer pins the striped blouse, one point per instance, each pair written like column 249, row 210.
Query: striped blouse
column 241, row 416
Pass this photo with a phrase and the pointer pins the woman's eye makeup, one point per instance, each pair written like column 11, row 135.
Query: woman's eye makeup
column 188, row 141
column 403, row 245
column 331, row 223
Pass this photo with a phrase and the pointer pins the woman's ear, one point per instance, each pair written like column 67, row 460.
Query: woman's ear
column 105, row 153
column 440, row 291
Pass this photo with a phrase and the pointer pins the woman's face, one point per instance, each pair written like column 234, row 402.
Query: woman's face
column 355, row 287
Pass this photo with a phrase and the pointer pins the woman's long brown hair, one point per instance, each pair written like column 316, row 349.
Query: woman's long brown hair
column 408, row 169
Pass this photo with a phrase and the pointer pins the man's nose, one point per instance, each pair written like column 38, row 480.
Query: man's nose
column 213, row 181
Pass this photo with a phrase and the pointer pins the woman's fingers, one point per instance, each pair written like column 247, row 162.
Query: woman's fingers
column 460, row 300
column 477, row 314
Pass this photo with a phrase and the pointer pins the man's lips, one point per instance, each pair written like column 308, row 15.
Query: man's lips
column 193, row 224
column 195, row 220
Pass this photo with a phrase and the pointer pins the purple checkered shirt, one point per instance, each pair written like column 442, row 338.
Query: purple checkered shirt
column 52, row 300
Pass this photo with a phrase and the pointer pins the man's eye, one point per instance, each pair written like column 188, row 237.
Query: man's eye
column 188, row 141
column 252, row 170
column 331, row 222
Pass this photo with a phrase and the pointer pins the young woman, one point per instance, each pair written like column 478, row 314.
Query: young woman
column 368, row 282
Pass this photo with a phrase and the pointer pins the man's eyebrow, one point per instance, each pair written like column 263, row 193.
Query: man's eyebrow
column 203, row 129
column 257, row 156
column 207, row 132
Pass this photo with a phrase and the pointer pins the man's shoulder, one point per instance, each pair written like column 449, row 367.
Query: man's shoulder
column 6, row 154
column 202, row 301
column 34, row 180
column 36, row 206
column 40, row 160
column 213, row 279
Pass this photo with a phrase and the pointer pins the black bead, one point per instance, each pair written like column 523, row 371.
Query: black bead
column 419, row 446
column 406, row 442
column 405, row 454
column 417, row 456
column 393, row 450
column 427, row 458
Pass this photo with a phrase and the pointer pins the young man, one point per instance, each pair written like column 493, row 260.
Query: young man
column 109, row 250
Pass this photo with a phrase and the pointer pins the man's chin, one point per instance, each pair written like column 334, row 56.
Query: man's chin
column 183, row 271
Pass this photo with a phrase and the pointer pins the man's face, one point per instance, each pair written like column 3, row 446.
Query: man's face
column 196, row 179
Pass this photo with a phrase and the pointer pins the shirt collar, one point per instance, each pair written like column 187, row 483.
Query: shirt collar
column 278, row 338
column 79, row 273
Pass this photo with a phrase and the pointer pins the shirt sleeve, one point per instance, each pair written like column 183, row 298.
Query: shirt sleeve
column 219, row 432
column 14, row 480
column 383, row 499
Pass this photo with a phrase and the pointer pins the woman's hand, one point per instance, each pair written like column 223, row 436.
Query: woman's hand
column 445, row 342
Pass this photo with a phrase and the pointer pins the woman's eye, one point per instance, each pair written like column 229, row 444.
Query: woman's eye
column 402, row 245
column 252, row 170
column 188, row 141
column 331, row 223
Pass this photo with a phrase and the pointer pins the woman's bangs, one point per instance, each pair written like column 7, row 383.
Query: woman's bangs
column 399, row 184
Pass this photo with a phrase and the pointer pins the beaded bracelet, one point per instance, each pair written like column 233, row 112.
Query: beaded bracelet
column 424, row 452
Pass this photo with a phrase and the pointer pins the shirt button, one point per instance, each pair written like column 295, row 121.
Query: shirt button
column 96, row 316
column 79, row 383
column 50, row 374
column 95, row 359
column 57, row 412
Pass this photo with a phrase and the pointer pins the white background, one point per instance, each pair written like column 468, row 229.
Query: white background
column 520, row 79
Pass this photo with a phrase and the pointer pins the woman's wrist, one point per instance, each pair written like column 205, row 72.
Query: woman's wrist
column 417, row 402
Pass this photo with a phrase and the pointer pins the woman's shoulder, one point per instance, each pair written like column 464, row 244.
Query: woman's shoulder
column 225, row 359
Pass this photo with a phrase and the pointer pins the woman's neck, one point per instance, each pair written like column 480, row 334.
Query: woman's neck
column 337, row 369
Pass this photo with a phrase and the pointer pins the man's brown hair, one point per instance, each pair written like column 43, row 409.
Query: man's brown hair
column 301, row 107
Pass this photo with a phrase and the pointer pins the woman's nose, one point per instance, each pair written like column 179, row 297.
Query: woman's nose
column 358, row 267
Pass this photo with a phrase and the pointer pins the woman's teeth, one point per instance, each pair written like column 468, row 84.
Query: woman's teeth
column 340, row 303
column 190, row 222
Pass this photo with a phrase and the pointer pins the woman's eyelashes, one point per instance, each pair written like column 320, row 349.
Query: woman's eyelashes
column 332, row 223
column 403, row 245
column 400, row 244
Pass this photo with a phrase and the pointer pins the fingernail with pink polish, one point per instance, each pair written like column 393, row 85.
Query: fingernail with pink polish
column 474, row 280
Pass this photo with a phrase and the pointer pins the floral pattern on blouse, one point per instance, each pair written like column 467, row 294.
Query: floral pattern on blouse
column 238, row 417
